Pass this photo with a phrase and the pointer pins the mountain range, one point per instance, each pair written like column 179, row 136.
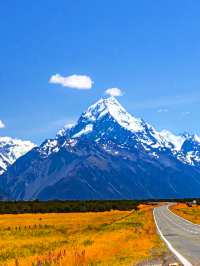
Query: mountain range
column 108, row 119
column 11, row 150
column 107, row 154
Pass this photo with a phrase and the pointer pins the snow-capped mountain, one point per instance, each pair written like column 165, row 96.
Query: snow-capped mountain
column 190, row 151
column 108, row 119
column 65, row 131
column 11, row 150
column 103, row 169
column 176, row 141
column 107, row 154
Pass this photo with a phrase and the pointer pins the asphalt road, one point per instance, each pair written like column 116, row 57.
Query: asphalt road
column 183, row 236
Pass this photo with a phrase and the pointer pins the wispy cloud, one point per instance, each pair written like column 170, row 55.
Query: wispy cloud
column 186, row 113
column 80, row 82
column 114, row 92
column 162, row 111
column 1, row 124
column 167, row 101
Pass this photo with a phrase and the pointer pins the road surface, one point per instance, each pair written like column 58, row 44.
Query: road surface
column 183, row 236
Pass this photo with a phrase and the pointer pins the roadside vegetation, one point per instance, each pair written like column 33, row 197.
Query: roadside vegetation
column 72, row 239
column 191, row 212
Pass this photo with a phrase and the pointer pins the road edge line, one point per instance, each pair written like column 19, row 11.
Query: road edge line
column 178, row 255
column 182, row 217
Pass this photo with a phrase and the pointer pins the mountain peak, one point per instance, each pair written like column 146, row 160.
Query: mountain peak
column 177, row 141
column 111, row 99
column 184, row 134
column 65, row 130
column 108, row 119
column 106, row 102
column 101, row 108
column 196, row 138
column 113, row 108
column 93, row 113
column 11, row 150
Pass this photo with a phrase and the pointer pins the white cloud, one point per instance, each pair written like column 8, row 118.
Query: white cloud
column 162, row 111
column 114, row 92
column 75, row 81
column 186, row 113
column 1, row 124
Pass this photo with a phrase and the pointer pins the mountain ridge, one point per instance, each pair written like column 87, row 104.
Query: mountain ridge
column 103, row 169
column 11, row 150
column 108, row 119
column 107, row 154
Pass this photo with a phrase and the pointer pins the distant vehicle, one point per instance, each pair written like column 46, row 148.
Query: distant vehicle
column 189, row 204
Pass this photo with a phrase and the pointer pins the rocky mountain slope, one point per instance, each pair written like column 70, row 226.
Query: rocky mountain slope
column 176, row 141
column 85, row 169
column 107, row 154
column 11, row 150
column 108, row 119
column 4, row 196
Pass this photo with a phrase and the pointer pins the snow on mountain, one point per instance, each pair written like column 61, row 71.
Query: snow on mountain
column 190, row 151
column 112, row 107
column 107, row 154
column 184, row 146
column 108, row 119
column 103, row 169
column 64, row 131
column 177, row 141
column 197, row 139
column 11, row 150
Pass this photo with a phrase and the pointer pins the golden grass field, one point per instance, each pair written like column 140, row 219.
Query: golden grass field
column 190, row 213
column 71, row 239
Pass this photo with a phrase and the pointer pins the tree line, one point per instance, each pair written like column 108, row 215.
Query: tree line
column 66, row 206
column 183, row 200
column 78, row 206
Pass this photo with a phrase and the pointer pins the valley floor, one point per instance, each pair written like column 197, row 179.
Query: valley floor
column 89, row 239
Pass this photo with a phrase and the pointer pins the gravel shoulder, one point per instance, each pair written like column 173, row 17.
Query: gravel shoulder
column 164, row 260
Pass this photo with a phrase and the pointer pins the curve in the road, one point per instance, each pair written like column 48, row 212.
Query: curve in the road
column 178, row 224
column 179, row 256
column 182, row 218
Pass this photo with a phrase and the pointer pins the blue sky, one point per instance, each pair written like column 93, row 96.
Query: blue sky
column 150, row 50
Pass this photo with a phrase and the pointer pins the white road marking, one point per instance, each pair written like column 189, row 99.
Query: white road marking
column 179, row 256
column 178, row 224
column 182, row 217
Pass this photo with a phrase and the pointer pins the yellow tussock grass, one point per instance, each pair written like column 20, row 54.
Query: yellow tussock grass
column 192, row 214
column 87, row 239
